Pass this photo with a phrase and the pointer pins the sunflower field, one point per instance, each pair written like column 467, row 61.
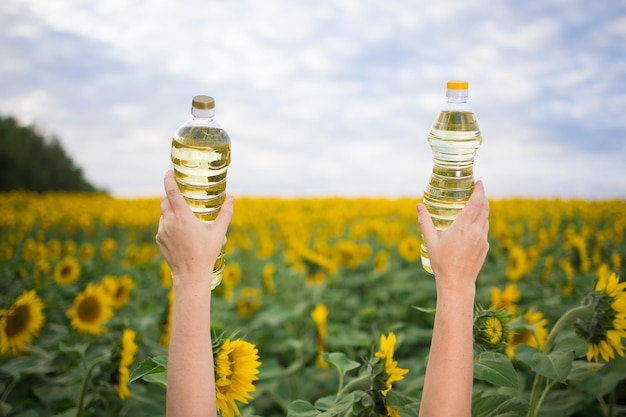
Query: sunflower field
column 324, row 308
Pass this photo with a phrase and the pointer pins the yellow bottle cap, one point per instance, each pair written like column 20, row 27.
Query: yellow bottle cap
column 457, row 85
column 203, row 102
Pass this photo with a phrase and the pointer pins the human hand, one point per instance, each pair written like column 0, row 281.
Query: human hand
column 189, row 246
column 458, row 253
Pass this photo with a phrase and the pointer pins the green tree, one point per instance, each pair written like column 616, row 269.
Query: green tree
column 28, row 161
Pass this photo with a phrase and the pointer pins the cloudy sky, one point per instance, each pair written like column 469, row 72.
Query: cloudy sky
column 326, row 97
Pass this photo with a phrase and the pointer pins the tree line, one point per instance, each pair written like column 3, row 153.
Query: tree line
column 30, row 161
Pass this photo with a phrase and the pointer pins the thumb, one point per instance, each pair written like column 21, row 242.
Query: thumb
column 224, row 217
column 429, row 232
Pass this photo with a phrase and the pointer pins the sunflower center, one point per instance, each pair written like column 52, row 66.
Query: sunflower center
column 66, row 271
column 89, row 310
column 18, row 321
column 494, row 330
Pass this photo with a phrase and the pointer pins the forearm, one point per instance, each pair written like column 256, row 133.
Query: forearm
column 190, row 376
column 449, row 372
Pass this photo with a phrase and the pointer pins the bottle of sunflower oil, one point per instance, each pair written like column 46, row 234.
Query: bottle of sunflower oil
column 201, row 155
column 454, row 139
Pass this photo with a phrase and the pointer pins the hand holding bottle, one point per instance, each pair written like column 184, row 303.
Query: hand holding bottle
column 189, row 245
column 458, row 253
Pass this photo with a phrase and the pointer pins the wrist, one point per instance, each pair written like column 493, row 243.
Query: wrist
column 458, row 297
column 192, row 284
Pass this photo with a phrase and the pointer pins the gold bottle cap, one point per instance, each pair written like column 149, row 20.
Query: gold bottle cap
column 203, row 102
column 457, row 85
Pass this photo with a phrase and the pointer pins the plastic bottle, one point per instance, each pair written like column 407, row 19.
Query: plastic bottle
column 201, row 155
column 454, row 139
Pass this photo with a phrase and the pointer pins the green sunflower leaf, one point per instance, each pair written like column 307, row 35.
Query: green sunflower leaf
column 150, row 366
column 557, row 365
column 576, row 345
column 301, row 408
column 340, row 361
column 495, row 368
column 499, row 406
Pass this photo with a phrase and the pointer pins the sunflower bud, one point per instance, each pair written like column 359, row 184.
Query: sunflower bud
column 491, row 328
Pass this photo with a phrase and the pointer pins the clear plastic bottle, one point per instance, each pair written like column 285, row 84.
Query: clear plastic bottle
column 201, row 155
column 454, row 139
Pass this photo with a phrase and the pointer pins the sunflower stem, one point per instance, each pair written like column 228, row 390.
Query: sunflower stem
column 359, row 383
column 83, row 387
column 8, row 390
column 567, row 318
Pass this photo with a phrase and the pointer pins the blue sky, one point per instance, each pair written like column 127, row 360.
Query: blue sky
column 326, row 97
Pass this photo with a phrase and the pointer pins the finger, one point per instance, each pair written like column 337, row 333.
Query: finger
column 429, row 232
column 166, row 209
column 477, row 205
column 224, row 217
column 172, row 192
column 159, row 232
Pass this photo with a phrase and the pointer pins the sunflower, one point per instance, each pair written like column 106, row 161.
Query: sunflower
column 127, row 355
column 230, row 278
column 166, row 328
column 268, row 278
column 85, row 253
column 249, row 301
column 516, row 263
column 6, row 251
column 409, row 248
column 491, row 328
column 53, row 249
column 69, row 248
column 606, row 329
column 67, row 271
column 165, row 273
column 348, row 253
column 91, row 309
column 390, row 367
column 319, row 316
column 381, row 261
column 119, row 289
column 21, row 322
column 318, row 277
column 392, row 412
column 533, row 332
column 547, row 268
column 236, row 363
column 108, row 248
column 505, row 300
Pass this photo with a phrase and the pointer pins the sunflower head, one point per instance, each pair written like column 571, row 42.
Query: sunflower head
column 319, row 316
column 516, row 265
column 605, row 330
column 381, row 261
column 268, row 278
column 236, row 369
column 390, row 367
column 90, row 310
column 409, row 248
column 249, row 301
column 127, row 355
column 21, row 323
column 67, row 271
column 378, row 375
column 491, row 328
column 119, row 289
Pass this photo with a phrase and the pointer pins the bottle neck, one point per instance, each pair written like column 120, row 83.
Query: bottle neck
column 457, row 100
column 202, row 113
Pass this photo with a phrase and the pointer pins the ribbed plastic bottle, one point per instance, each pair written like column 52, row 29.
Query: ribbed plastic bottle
column 201, row 155
column 454, row 139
